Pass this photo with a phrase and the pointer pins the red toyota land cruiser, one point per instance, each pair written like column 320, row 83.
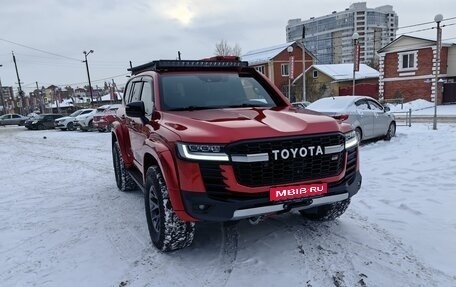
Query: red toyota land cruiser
column 214, row 140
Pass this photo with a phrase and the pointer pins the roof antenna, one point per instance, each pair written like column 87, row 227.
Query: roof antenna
column 179, row 55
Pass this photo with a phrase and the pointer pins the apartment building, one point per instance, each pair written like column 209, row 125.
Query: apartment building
column 329, row 37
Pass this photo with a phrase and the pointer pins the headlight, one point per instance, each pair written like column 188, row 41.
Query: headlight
column 210, row 152
column 351, row 140
column 34, row 122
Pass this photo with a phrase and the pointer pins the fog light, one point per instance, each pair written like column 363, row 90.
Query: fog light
column 202, row 207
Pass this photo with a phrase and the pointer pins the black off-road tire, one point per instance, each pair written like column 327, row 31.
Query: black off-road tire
column 167, row 231
column 391, row 131
column 326, row 212
column 123, row 179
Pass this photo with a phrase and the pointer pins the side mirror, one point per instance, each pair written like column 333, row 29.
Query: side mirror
column 136, row 110
column 386, row 109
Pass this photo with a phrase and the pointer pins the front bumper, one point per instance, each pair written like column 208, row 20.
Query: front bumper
column 202, row 207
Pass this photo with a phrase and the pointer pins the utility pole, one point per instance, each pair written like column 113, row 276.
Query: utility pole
column 438, row 18
column 304, row 94
column 1, row 95
column 40, row 95
column 88, row 75
column 21, row 93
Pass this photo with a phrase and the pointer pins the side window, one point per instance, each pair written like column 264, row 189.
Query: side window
column 362, row 105
column 136, row 93
column 374, row 106
column 16, row 116
column 147, row 96
column 127, row 93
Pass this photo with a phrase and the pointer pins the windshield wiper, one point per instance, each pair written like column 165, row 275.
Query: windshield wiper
column 248, row 106
column 191, row 108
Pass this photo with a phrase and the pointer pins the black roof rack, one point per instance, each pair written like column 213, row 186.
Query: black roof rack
column 205, row 64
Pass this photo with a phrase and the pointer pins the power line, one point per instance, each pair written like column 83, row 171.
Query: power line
column 39, row 50
column 99, row 80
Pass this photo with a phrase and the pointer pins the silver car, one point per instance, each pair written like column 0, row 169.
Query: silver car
column 367, row 116
column 12, row 119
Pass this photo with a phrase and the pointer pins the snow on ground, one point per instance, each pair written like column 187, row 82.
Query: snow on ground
column 64, row 223
column 422, row 107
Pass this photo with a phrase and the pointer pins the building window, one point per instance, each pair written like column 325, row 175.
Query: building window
column 260, row 69
column 315, row 74
column 408, row 61
column 284, row 69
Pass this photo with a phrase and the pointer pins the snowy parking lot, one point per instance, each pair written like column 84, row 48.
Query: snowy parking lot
column 64, row 223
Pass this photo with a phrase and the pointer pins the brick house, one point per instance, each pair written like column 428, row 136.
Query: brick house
column 407, row 70
column 337, row 80
column 274, row 63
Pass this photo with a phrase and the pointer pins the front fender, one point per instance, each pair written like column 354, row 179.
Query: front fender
column 120, row 134
column 163, row 157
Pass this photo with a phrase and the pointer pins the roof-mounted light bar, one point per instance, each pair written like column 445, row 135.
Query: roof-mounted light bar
column 211, row 63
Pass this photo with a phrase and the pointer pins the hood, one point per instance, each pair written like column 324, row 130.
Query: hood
column 227, row 125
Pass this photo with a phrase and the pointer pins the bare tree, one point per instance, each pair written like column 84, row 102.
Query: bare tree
column 224, row 49
column 236, row 50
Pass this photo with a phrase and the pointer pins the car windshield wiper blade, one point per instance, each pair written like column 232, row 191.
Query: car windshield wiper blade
column 247, row 106
column 191, row 108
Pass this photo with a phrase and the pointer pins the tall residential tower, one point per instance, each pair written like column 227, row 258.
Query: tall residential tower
column 329, row 37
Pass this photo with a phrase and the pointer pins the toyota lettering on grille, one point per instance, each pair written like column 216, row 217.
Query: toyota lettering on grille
column 301, row 152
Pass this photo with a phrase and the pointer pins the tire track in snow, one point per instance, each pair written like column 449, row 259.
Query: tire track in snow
column 336, row 256
column 228, row 254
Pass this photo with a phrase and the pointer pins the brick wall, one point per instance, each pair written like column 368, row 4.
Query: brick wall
column 413, row 89
column 409, row 90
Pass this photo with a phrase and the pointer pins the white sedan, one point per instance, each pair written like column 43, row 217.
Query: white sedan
column 367, row 116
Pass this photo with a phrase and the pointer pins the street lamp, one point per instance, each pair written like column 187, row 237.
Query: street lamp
column 289, row 50
column 438, row 18
column 88, row 74
column 355, row 38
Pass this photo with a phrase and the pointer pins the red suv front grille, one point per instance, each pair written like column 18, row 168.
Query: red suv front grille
column 290, row 170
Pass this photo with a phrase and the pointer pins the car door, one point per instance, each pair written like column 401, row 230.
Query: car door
column 365, row 117
column 381, row 118
column 8, row 120
column 134, row 124
column 48, row 121
column 15, row 119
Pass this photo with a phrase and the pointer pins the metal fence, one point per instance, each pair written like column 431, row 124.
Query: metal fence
column 407, row 116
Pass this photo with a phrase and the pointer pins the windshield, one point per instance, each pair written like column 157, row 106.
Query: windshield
column 76, row 113
column 211, row 91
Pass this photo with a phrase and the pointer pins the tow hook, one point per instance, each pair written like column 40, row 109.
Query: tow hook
column 255, row 220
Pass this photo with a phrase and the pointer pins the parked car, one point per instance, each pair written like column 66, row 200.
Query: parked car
column 12, row 119
column 41, row 122
column 67, row 123
column 85, row 122
column 367, row 116
column 300, row 105
column 103, row 121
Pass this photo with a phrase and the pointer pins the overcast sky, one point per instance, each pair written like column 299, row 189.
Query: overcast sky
column 144, row 30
